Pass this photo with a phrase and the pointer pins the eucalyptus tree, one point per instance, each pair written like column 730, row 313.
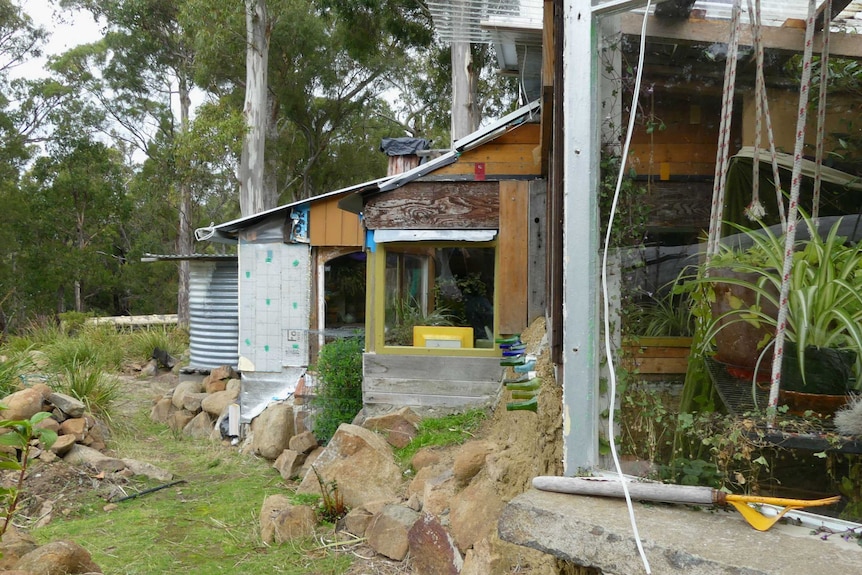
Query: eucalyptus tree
column 327, row 61
column 140, row 72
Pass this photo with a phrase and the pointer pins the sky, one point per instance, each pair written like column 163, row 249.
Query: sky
column 66, row 31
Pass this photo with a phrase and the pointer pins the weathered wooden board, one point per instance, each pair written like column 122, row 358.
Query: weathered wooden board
column 419, row 400
column 435, row 205
column 430, row 381
column 513, row 245
column 537, row 272
column 441, row 367
column 679, row 205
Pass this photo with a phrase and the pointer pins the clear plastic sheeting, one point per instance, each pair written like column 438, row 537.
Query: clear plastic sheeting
column 259, row 389
column 268, row 231
column 384, row 236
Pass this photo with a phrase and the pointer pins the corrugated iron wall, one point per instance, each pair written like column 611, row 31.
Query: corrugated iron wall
column 214, row 314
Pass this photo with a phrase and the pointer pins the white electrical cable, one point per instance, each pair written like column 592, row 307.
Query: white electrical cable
column 608, row 352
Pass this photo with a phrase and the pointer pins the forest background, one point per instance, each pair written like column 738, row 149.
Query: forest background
column 104, row 157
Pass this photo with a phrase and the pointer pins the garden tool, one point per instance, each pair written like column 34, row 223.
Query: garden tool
column 688, row 494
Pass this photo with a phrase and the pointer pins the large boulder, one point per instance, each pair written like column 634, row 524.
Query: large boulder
column 183, row 388
column 281, row 521
column 15, row 544
column 58, row 558
column 272, row 430
column 387, row 532
column 67, row 404
column 216, row 403
column 23, row 404
column 399, row 427
column 432, row 551
column 361, row 464
column 473, row 514
column 470, row 459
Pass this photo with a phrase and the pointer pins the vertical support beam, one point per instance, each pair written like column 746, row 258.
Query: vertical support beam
column 580, row 239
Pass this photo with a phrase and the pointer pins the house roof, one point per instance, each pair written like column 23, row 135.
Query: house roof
column 354, row 202
column 227, row 232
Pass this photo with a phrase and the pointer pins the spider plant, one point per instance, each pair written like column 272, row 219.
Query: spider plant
column 824, row 308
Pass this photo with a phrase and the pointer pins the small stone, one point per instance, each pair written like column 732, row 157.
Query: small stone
column 110, row 507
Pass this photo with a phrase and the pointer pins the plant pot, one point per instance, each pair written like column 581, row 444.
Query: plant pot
column 820, row 404
column 827, row 371
column 740, row 343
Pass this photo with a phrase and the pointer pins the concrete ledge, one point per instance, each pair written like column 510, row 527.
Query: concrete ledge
column 595, row 532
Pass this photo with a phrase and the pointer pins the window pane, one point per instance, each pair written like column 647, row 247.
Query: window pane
column 439, row 286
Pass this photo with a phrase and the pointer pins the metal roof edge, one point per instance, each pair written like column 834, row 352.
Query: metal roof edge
column 222, row 232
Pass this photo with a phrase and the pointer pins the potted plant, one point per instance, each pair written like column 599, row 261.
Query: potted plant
column 660, row 336
column 823, row 339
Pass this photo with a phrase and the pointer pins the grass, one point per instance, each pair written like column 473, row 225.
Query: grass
column 95, row 388
column 210, row 524
column 437, row 432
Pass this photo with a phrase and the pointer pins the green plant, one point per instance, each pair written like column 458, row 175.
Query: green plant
column 140, row 343
column 338, row 397
column 12, row 368
column 96, row 389
column 407, row 313
column 332, row 501
column 667, row 315
column 825, row 298
column 20, row 435
column 440, row 431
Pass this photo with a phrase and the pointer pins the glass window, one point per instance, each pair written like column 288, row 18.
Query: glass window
column 442, row 287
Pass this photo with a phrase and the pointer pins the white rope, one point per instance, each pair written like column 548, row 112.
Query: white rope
column 755, row 210
column 790, row 236
column 612, row 380
column 722, row 154
column 821, row 112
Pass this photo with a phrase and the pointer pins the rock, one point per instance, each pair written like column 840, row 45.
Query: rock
column 184, row 387
column 162, row 410
column 67, row 404
column 63, row 444
column 387, row 532
column 192, row 402
column 479, row 560
column 289, row 463
column 414, row 502
column 214, row 385
column 234, row 385
column 399, row 427
column 282, row 521
column 417, row 484
column 216, row 403
column 200, row 426
column 14, row 545
column 303, row 443
column 49, row 423
column 150, row 369
column 361, row 464
column 43, row 389
column 48, row 456
column 82, row 455
column 470, row 459
column 357, row 520
column 76, row 427
column 148, row 470
column 432, row 551
column 179, row 419
column 425, row 457
column 438, row 493
column 272, row 429
column 58, row 558
column 310, row 459
column 473, row 514
column 23, row 404
column 222, row 372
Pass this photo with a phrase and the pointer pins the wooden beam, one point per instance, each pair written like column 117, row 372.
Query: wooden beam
column 707, row 31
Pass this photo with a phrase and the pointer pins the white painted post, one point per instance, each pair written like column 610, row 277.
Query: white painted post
column 580, row 239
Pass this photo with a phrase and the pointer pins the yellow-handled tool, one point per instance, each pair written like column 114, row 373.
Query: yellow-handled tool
column 688, row 494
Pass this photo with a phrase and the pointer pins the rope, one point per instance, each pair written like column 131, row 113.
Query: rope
column 721, row 162
column 755, row 210
column 790, row 237
column 821, row 111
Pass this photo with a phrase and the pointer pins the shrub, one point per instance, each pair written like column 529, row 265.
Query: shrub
column 339, row 390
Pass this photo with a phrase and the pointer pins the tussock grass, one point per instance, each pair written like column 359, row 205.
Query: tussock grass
column 95, row 388
column 441, row 431
column 15, row 366
column 140, row 343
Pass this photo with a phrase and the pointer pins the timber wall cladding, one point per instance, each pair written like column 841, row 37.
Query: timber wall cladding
column 329, row 225
column 429, row 381
column 513, row 246
column 515, row 153
column 435, row 205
